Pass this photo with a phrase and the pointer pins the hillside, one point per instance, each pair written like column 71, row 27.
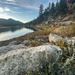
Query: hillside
column 9, row 22
column 64, row 9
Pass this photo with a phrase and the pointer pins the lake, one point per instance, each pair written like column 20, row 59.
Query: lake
column 7, row 33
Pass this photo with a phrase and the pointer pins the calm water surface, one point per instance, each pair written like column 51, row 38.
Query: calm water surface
column 9, row 33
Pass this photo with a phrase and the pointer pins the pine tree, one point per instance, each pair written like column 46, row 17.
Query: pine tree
column 41, row 9
column 49, row 6
column 57, row 7
column 53, row 9
column 63, row 6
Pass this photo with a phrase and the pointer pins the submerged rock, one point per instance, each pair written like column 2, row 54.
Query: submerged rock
column 18, row 62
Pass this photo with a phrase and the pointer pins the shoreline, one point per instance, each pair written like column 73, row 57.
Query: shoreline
column 20, row 38
column 6, row 42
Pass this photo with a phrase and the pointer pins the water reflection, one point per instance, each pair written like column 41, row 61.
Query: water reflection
column 12, row 29
column 10, row 33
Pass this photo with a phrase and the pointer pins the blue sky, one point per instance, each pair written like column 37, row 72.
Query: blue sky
column 22, row 10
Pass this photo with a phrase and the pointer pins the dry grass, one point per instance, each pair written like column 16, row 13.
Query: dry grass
column 61, row 43
column 65, row 31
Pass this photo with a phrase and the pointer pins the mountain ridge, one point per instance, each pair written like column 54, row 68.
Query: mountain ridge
column 9, row 22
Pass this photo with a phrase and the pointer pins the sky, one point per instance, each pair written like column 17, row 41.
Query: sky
column 22, row 10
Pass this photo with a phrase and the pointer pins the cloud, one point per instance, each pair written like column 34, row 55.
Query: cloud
column 4, row 9
column 11, row 0
column 5, row 16
column 7, row 9
column 53, row 1
column 1, row 9
column 16, row 7
column 31, row 4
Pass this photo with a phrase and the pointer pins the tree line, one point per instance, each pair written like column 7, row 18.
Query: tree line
column 60, row 8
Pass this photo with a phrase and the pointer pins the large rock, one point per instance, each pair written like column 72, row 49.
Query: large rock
column 54, row 37
column 5, row 49
column 73, row 37
column 70, row 41
column 18, row 62
column 66, row 18
column 26, row 42
column 13, row 43
column 42, row 38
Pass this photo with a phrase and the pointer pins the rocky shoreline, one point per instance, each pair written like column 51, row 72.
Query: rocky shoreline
column 36, row 53
column 20, row 58
column 19, row 39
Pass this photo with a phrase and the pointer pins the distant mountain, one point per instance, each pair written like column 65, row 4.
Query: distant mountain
column 9, row 22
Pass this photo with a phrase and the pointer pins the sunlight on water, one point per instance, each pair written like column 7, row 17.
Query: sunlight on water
column 9, row 34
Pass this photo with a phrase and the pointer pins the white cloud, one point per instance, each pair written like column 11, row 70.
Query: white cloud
column 5, row 16
column 11, row 0
column 16, row 7
column 31, row 4
column 4, row 9
column 1, row 9
column 7, row 9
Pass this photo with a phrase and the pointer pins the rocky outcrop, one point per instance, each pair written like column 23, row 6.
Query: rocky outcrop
column 18, row 62
column 70, row 41
column 5, row 49
column 26, row 42
column 42, row 38
column 54, row 37
column 65, row 23
column 13, row 43
column 73, row 37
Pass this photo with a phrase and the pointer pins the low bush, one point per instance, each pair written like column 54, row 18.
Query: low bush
column 61, row 43
column 34, row 43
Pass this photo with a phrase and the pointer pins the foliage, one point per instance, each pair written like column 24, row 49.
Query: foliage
column 63, row 6
column 53, row 10
column 41, row 9
column 61, row 43
column 34, row 43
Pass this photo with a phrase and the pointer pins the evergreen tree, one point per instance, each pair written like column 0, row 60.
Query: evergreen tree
column 53, row 9
column 46, row 12
column 41, row 9
column 49, row 7
column 57, row 7
column 41, row 16
column 63, row 6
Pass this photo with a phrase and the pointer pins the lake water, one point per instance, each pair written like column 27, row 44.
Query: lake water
column 9, row 33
